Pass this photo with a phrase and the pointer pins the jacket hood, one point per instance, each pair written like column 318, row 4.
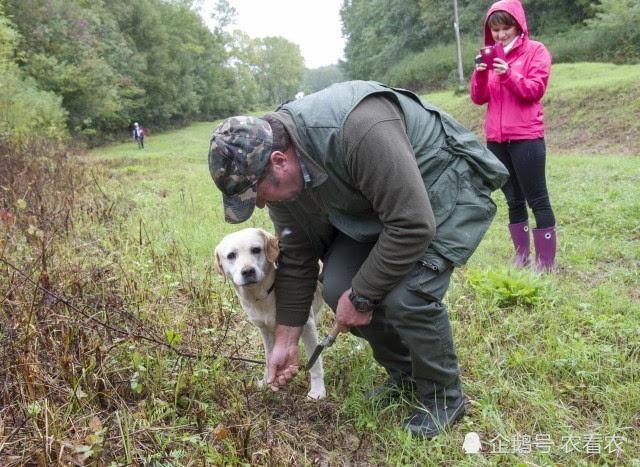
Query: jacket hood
column 515, row 9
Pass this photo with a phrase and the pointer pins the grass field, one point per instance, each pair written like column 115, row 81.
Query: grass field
column 550, row 365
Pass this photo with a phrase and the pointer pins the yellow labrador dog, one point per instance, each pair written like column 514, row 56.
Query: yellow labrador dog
column 247, row 258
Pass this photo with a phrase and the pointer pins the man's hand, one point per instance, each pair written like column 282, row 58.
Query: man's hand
column 347, row 316
column 283, row 360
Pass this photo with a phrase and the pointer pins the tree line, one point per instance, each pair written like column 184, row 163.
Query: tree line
column 94, row 67
column 411, row 42
column 91, row 68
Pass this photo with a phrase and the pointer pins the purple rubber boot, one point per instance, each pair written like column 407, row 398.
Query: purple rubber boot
column 545, row 244
column 520, row 237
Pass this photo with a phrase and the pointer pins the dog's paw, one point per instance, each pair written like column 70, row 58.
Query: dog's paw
column 317, row 394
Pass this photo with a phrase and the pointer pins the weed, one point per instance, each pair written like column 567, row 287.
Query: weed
column 504, row 288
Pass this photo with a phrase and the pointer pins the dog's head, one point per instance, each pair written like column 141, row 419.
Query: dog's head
column 246, row 256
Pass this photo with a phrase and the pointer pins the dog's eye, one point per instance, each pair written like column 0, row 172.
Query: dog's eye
column 231, row 256
column 256, row 250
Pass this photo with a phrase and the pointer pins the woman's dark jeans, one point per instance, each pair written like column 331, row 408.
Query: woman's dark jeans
column 525, row 160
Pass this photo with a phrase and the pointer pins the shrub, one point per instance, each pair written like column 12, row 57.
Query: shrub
column 27, row 113
column 433, row 68
column 596, row 44
column 507, row 288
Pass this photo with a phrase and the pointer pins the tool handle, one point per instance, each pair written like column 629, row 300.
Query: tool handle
column 331, row 337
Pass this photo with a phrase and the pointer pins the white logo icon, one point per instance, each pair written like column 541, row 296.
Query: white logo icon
column 472, row 444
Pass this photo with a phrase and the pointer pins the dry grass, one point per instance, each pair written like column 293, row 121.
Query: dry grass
column 89, row 380
column 66, row 332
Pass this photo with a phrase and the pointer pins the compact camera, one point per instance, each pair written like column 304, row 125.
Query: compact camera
column 489, row 52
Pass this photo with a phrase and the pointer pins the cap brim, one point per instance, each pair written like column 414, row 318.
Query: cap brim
column 238, row 208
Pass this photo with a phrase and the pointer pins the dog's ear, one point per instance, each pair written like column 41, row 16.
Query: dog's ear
column 272, row 247
column 218, row 263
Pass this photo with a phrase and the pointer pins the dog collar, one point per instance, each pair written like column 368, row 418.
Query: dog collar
column 271, row 289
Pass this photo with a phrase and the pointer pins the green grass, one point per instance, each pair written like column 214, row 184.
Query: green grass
column 562, row 363
column 170, row 178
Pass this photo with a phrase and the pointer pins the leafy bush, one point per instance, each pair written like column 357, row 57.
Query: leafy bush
column 596, row 44
column 433, row 68
column 26, row 112
column 617, row 23
column 506, row 288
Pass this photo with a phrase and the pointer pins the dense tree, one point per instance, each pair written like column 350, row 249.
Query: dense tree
column 63, row 50
column 155, row 61
column 269, row 70
column 152, row 31
column 555, row 16
column 437, row 18
column 320, row 78
column 101, row 64
column 242, row 53
column 617, row 20
column 367, row 50
column 26, row 113
column 116, row 61
column 280, row 69
column 382, row 33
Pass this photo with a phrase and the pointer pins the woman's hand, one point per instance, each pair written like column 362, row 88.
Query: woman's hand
column 500, row 67
column 480, row 65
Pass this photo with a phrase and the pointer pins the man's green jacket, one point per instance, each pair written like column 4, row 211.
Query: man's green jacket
column 458, row 173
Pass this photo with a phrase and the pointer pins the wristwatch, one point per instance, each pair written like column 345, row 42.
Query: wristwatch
column 361, row 303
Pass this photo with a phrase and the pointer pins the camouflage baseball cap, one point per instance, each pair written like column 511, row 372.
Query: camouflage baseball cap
column 238, row 153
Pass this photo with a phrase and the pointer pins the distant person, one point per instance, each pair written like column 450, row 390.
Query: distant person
column 391, row 194
column 514, row 126
column 138, row 135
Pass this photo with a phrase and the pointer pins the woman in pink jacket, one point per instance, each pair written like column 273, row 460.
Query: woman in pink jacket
column 512, row 87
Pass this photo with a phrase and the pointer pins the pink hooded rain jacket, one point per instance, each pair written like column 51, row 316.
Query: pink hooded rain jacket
column 514, row 111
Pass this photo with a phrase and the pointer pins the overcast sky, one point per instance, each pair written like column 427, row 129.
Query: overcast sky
column 312, row 24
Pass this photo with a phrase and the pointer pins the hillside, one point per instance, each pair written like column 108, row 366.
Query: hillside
column 590, row 108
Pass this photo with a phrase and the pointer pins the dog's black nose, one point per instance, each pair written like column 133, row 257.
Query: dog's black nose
column 248, row 273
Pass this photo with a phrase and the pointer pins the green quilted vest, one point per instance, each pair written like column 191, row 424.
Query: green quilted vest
column 459, row 175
